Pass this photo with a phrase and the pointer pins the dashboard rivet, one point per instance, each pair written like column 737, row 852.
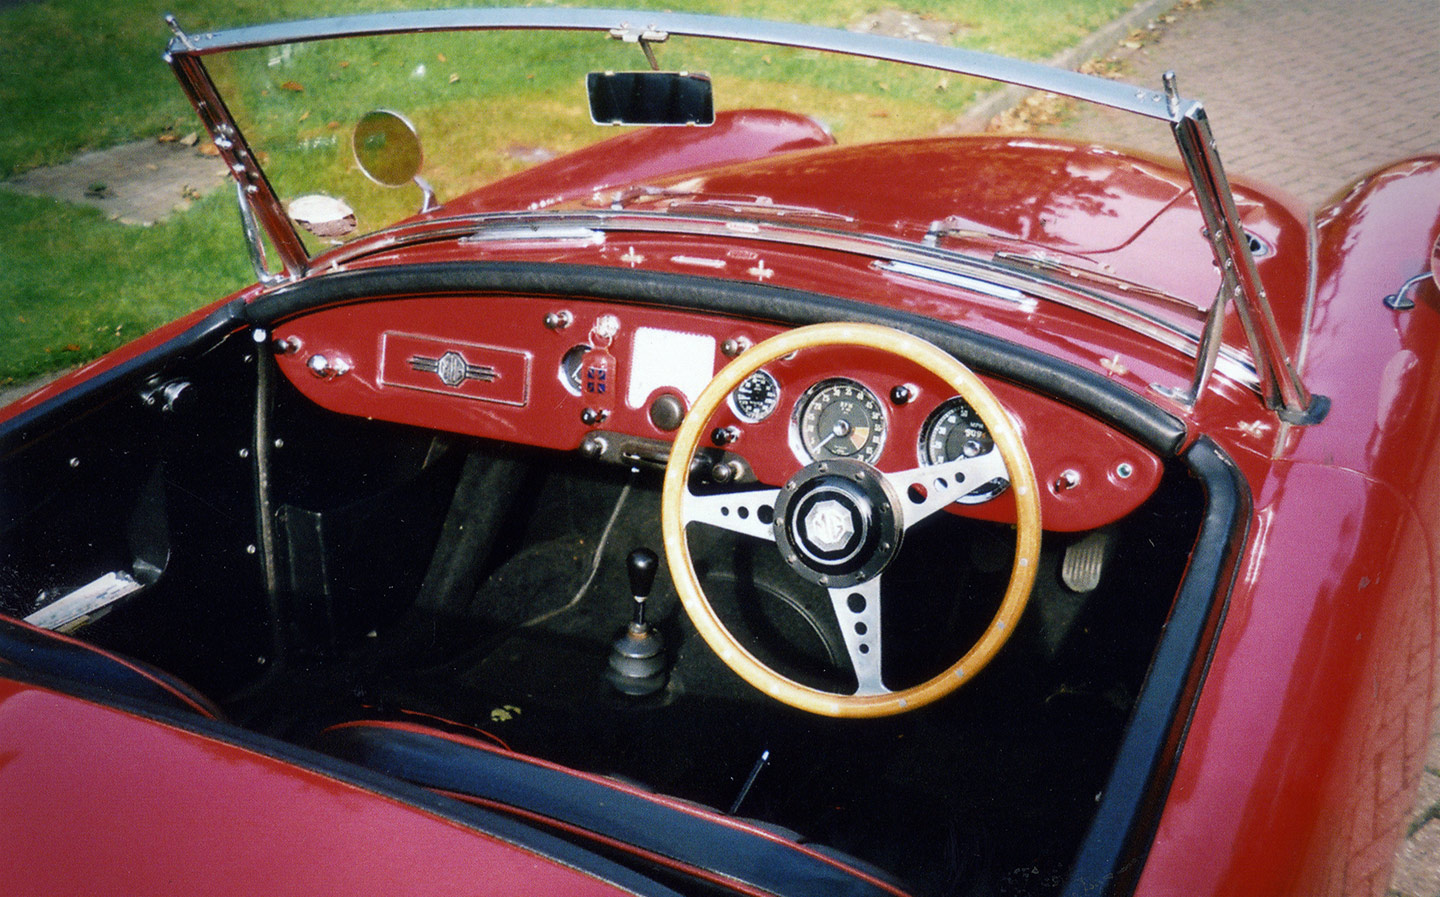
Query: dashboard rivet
column 1124, row 471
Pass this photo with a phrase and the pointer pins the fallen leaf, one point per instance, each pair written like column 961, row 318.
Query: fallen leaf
column 72, row 347
column 304, row 115
column 209, row 149
column 454, row 76
column 441, row 57
column 166, row 138
column 332, row 125
column 292, row 85
column 190, row 139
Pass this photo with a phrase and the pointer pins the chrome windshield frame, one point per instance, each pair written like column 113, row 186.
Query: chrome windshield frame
column 1278, row 381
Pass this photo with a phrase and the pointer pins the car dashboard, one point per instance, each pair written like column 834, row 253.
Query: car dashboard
column 613, row 382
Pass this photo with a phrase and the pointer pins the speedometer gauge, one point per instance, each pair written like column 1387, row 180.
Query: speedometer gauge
column 839, row 418
column 954, row 431
column 755, row 397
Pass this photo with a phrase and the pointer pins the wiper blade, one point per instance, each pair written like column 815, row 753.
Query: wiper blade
column 682, row 200
column 1055, row 271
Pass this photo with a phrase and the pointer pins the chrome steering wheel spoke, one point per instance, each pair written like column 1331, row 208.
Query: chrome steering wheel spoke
column 749, row 513
column 857, row 609
column 921, row 491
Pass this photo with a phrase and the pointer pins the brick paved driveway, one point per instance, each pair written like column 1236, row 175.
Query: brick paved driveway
column 1306, row 95
column 1303, row 94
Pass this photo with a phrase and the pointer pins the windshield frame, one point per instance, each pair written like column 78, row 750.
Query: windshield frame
column 1279, row 384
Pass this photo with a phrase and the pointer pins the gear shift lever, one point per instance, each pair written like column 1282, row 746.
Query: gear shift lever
column 637, row 658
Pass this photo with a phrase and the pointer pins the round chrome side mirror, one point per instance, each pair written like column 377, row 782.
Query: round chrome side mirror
column 387, row 149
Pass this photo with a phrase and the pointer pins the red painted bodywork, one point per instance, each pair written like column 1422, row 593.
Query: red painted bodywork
column 176, row 812
column 1299, row 763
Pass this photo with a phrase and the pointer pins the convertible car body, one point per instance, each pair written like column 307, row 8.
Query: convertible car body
column 1036, row 517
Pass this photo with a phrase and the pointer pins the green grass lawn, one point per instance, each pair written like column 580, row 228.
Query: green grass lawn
column 85, row 74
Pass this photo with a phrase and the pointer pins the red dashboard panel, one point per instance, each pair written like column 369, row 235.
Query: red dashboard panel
column 549, row 372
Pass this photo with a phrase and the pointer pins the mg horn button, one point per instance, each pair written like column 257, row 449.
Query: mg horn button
column 835, row 523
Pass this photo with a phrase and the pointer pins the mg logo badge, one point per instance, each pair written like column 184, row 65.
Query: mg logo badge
column 829, row 526
column 451, row 368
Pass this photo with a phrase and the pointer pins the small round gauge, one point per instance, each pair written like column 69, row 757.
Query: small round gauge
column 953, row 431
column 570, row 365
column 756, row 397
column 839, row 418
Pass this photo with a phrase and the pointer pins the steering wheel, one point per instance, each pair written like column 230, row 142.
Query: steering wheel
column 839, row 522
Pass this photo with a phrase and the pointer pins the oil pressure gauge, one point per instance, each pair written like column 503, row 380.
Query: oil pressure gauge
column 756, row 397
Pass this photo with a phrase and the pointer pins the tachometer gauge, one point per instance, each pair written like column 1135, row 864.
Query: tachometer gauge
column 756, row 397
column 955, row 431
column 839, row 418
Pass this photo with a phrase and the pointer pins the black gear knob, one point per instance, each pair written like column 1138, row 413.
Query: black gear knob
column 641, row 565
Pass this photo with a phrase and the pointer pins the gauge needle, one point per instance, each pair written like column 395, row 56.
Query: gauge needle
column 841, row 428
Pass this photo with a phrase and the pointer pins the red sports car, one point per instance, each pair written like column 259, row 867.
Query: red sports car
column 1036, row 517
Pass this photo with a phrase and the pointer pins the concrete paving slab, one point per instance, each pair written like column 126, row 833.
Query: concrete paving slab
column 137, row 183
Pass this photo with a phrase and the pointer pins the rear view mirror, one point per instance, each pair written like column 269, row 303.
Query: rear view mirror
column 650, row 98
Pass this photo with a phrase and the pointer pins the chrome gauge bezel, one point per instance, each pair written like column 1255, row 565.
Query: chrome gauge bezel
column 774, row 402
column 880, row 428
column 927, row 433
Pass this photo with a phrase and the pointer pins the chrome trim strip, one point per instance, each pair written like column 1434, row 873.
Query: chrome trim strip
column 997, row 275
column 949, row 278
column 1089, row 88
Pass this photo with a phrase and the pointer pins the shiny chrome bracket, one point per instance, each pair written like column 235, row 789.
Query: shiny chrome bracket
column 254, row 239
column 179, row 33
column 644, row 37
column 1400, row 299
column 1280, row 384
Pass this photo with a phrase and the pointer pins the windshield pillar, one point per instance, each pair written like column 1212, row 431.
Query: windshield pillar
column 1280, row 384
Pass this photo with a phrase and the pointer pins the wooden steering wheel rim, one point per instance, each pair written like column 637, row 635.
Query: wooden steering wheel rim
column 1022, row 485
